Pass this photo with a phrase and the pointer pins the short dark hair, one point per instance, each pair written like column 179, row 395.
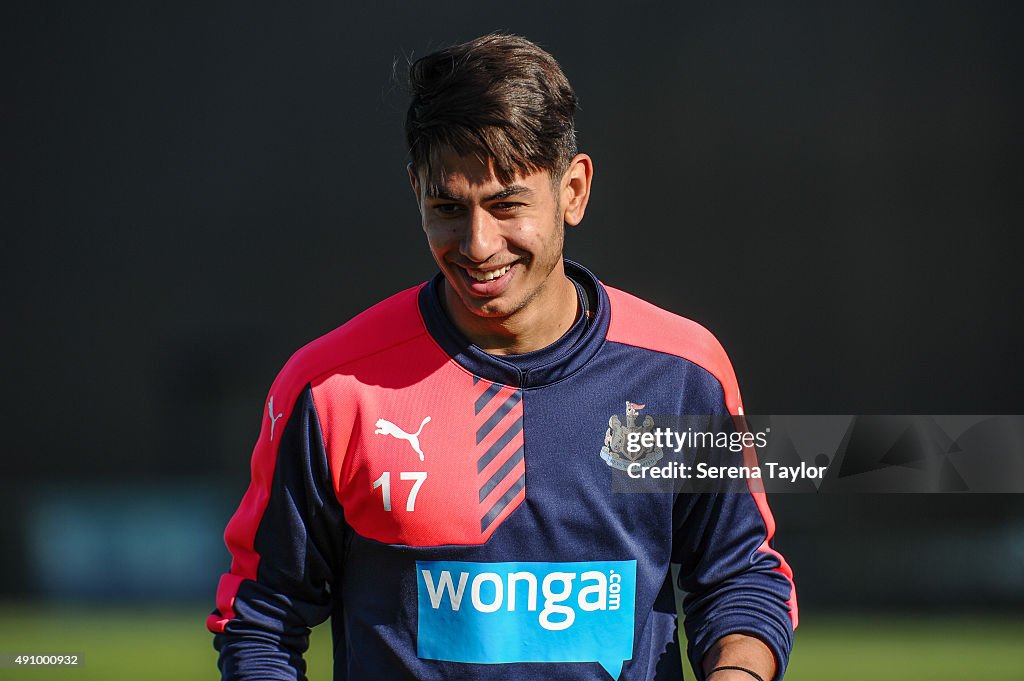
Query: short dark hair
column 498, row 97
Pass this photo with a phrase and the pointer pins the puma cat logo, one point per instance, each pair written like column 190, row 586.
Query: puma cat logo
column 385, row 427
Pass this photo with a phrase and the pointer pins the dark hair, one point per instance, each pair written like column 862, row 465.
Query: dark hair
column 497, row 97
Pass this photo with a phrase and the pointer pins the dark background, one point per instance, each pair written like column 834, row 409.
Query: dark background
column 190, row 192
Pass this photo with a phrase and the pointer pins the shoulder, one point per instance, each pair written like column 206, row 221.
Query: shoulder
column 638, row 323
column 386, row 325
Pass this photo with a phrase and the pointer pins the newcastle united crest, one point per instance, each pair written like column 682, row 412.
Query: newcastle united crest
column 622, row 445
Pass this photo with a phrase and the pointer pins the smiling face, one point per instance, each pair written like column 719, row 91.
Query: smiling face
column 499, row 247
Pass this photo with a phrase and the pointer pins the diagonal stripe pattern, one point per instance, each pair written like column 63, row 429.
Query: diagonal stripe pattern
column 501, row 465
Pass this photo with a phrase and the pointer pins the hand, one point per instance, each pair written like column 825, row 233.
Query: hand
column 730, row 675
column 739, row 650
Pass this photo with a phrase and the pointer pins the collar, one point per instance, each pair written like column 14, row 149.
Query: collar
column 564, row 357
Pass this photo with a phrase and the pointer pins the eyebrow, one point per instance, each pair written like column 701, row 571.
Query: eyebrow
column 436, row 192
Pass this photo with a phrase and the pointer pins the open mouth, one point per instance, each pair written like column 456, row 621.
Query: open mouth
column 490, row 275
column 488, row 283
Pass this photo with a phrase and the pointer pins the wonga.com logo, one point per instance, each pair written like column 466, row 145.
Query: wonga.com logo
column 493, row 613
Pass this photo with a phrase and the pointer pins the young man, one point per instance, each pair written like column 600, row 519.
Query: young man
column 431, row 474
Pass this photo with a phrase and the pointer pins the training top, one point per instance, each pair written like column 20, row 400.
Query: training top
column 453, row 511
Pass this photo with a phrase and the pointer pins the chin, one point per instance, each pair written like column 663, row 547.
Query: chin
column 491, row 310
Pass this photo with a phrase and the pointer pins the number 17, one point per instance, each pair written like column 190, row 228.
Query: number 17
column 384, row 481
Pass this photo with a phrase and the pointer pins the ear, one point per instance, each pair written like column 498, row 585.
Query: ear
column 576, row 188
column 414, row 180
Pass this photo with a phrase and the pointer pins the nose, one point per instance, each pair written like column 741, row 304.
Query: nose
column 483, row 236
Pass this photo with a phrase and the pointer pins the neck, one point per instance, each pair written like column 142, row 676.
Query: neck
column 538, row 324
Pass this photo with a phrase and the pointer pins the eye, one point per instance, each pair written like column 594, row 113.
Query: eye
column 506, row 206
column 447, row 209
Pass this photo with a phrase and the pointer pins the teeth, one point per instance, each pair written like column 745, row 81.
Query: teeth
column 488, row 276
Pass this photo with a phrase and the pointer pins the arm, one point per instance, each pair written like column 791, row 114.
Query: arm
column 739, row 650
column 735, row 583
column 284, row 540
